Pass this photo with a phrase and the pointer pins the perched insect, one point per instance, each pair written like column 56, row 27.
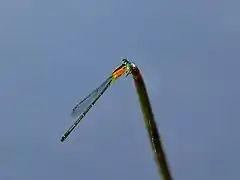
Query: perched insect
column 83, row 107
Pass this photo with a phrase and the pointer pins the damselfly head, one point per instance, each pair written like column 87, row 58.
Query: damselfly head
column 129, row 66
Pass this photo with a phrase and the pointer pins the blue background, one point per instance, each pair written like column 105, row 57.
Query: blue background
column 53, row 53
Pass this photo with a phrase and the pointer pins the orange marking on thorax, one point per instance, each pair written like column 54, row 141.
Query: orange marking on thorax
column 119, row 71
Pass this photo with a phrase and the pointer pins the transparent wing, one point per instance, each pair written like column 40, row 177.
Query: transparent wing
column 81, row 106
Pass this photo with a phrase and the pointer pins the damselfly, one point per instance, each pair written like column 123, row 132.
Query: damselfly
column 83, row 107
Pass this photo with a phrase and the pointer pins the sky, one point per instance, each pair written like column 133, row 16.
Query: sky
column 53, row 53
